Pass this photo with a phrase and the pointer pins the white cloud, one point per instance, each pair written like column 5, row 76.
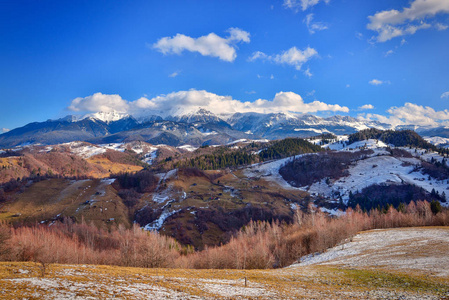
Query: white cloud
column 174, row 74
column 393, row 23
column 295, row 57
column 376, row 82
column 292, row 57
column 348, row 85
column 303, row 4
column 413, row 114
column 271, row 77
column 258, row 55
column 308, row 73
column 3, row 130
column 99, row 102
column 208, row 45
column 314, row 26
column 238, row 35
column 445, row 95
column 388, row 53
column 359, row 35
column 366, row 107
column 441, row 27
column 184, row 101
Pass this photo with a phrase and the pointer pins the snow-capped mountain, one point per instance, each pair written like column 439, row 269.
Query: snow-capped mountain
column 107, row 117
column 195, row 126
column 197, row 116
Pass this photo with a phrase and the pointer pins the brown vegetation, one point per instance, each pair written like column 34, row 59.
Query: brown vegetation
column 257, row 245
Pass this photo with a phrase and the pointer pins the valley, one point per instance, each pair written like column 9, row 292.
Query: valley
column 202, row 196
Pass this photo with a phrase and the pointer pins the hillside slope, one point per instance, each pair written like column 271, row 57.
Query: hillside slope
column 358, row 278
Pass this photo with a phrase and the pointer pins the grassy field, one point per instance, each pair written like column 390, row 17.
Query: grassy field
column 53, row 199
column 22, row 280
column 349, row 275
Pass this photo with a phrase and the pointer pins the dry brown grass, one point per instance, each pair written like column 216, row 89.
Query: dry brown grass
column 55, row 199
column 110, row 167
column 19, row 280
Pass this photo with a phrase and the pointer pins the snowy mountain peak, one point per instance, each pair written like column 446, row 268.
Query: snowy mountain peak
column 106, row 117
column 197, row 114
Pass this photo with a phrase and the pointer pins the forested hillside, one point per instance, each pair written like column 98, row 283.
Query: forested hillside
column 401, row 138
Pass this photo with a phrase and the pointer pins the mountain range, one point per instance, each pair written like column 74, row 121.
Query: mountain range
column 199, row 127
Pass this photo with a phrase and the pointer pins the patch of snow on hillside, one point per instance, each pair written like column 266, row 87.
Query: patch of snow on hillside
column 339, row 144
column 333, row 212
column 378, row 248
column 86, row 151
column 261, row 141
column 320, row 131
column 114, row 146
column 438, row 140
column 270, row 171
column 189, row 148
column 373, row 170
column 209, row 133
column 157, row 224
column 108, row 180
column 378, row 170
column 150, row 156
column 237, row 141
column 367, row 144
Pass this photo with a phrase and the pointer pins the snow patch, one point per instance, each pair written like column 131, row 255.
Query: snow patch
column 157, row 224
column 189, row 148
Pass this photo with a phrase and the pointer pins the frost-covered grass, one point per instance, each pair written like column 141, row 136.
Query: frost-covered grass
column 351, row 273
column 422, row 250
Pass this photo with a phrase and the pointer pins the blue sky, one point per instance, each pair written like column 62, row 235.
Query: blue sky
column 377, row 59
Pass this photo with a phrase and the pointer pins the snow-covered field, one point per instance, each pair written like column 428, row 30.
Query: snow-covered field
column 378, row 168
column 86, row 150
column 270, row 171
column 438, row 141
column 419, row 249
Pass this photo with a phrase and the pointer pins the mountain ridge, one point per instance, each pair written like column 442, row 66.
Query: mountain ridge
column 196, row 127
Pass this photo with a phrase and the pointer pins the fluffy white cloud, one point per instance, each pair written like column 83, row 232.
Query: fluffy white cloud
column 3, row 130
column 292, row 57
column 413, row 114
column 445, row 95
column 376, row 82
column 208, row 45
column 366, row 107
column 393, row 23
column 295, row 57
column 314, row 26
column 186, row 101
column 303, row 4
column 99, row 102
